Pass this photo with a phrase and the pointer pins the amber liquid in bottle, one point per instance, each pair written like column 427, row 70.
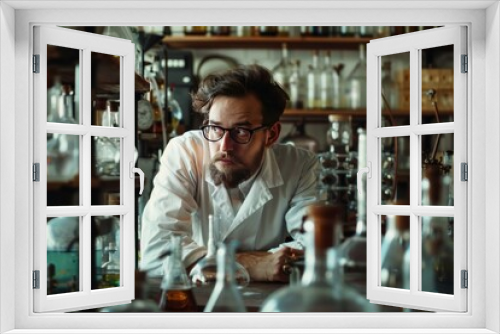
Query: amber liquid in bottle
column 178, row 301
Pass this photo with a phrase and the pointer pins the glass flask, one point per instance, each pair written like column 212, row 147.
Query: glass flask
column 357, row 82
column 141, row 303
column 62, row 150
column 326, row 83
column 205, row 271
column 395, row 243
column 177, row 294
column 313, row 77
column 321, row 288
column 296, row 86
column 107, row 160
column 339, row 135
column 175, row 111
column 281, row 72
column 225, row 296
column 111, row 269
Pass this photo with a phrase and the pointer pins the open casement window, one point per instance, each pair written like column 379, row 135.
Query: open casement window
column 416, row 199
column 83, row 145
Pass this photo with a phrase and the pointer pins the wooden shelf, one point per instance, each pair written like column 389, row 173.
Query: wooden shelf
column 356, row 113
column 262, row 42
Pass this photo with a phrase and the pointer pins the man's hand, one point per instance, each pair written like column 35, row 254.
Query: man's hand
column 266, row 266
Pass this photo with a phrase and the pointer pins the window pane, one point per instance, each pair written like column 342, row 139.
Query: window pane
column 437, row 84
column 437, row 169
column 395, row 170
column 63, row 259
column 105, row 234
column 105, row 81
column 395, row 88
column 106, row 157
column 437, row 254
column 63, row 75
column 395, row 255
column 63, row 169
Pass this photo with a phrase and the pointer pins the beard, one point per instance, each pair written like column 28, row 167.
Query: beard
column 231, row 177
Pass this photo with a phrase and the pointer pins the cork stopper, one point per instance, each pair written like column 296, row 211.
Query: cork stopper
column 324, row 218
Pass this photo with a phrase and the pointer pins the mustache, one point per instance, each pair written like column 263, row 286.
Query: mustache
column 224, row 155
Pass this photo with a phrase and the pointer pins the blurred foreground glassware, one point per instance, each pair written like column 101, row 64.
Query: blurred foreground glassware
column 177, row 294
column 205, row 271
column 225, row 296
column 175, row 111
column 322, row 287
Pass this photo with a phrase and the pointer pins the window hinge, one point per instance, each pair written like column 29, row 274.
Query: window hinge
column 465, row 279
column 465, row 64
column 36, row 63
column 464, row 172
column 36, row 172
column 36, row 279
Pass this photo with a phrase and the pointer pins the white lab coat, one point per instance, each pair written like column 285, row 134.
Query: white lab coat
column 184, row 194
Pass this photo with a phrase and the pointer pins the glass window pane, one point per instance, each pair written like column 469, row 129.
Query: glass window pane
column 63, row 75
column 395, row 252
column 105, row 82
column 63, row 258
column 395, row 89
column 105, row 234
column 437, row 169
column 437, row 84
column 63, row 169
column 106, row 157
column 395, row 170
column 437, row 254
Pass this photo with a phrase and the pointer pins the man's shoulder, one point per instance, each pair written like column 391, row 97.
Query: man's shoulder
column 193, row 138
column 287, row 152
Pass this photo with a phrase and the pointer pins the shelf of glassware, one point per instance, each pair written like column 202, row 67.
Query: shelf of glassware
column 255, row 42
column 319, row 113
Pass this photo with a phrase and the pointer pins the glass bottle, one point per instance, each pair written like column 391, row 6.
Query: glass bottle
column 296, row 82
column 62, row 150
column 220, row 30
column 321, row 288
column 205, row 271
column 53, row 94
column 353, row 249
column 313, row 83
column 111, row 269
column 357, row 82
column 281, row 72
column 347, row 31
column 389, row 88
column 177, row 294
column 175, row 111
column 394, row 245
column 338, row 87
column 225, row 296
column 326, row 83
column 268, row 30
column 107, row 157
column 195, row 30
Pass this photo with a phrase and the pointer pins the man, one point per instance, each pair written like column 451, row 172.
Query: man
column 235, row 169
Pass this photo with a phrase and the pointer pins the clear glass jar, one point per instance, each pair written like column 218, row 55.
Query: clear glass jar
column 357, row 82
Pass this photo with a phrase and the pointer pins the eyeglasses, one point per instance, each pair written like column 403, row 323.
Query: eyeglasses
column 240, row 135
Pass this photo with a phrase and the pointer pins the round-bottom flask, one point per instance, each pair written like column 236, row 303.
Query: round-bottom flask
column 321, row 288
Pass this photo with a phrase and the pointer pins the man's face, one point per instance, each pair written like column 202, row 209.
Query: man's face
column 231, row 162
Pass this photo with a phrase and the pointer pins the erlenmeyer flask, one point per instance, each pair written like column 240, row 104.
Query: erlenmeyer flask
column 177, row 294
column 205, row 271
column 225, row 297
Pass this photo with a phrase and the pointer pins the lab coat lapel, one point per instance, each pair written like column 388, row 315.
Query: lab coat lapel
column 259, row 194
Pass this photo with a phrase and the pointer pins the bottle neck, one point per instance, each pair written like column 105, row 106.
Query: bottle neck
column 211, row 244
column 225, row 265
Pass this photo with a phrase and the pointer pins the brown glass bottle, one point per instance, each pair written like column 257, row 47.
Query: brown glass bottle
column 178, row 301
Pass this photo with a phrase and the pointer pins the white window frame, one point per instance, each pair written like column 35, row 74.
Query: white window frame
column 85, row 43
column 413, row 44
column 483, row 293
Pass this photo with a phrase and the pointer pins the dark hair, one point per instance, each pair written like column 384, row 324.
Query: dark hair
column 239, row 82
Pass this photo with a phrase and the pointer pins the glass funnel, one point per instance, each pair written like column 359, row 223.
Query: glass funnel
column 225, row 296
column 205, row 271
